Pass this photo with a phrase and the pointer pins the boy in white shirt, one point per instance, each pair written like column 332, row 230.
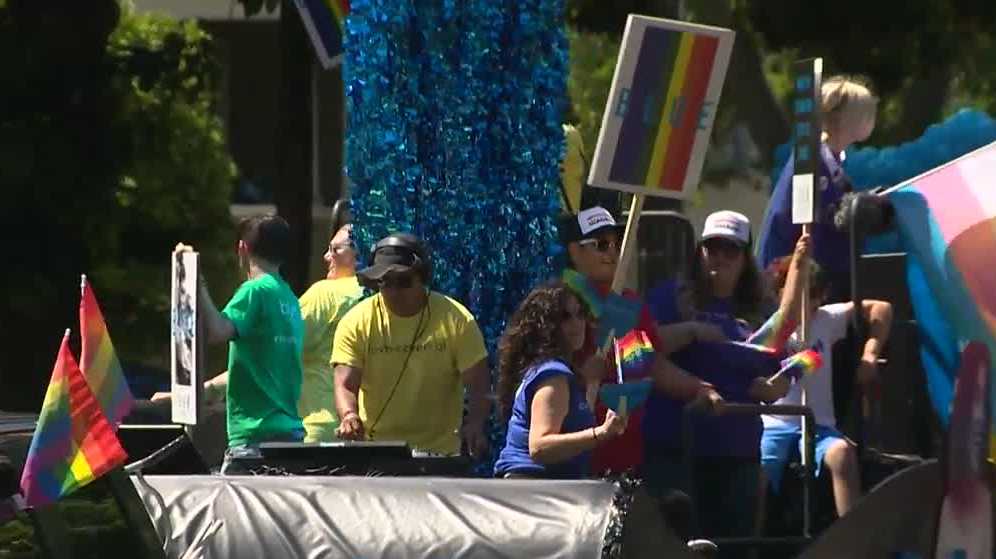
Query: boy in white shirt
column 827, row 325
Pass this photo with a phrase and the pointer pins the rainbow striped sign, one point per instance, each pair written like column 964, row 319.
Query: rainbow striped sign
column 325, row 21
column 657, row 120
column 659, row 114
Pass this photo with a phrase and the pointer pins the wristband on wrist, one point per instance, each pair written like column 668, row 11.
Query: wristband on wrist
column 594, row 434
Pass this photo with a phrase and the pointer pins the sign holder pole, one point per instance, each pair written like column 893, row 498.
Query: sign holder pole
column 807, row 132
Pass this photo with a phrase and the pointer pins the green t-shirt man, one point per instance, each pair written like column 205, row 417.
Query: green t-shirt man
column 264, row 362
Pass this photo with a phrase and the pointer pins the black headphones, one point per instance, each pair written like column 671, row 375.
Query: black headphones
column 421, row 259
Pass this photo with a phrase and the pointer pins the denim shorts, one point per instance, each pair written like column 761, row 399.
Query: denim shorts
column 776, row 446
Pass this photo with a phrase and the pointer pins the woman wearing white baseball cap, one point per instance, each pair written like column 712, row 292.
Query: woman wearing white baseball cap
column 720, row 301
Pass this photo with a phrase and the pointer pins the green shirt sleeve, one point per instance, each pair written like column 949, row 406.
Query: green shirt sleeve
column 243, row 310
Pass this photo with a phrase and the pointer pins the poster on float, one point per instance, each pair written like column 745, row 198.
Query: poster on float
column 186, row 354
column 661, row 107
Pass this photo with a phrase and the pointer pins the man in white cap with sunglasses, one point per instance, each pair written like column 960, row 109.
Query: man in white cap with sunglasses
column 593, row 241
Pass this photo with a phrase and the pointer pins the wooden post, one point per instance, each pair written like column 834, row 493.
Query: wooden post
column 629, row 243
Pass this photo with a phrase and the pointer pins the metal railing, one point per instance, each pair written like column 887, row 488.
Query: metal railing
column 808, row 449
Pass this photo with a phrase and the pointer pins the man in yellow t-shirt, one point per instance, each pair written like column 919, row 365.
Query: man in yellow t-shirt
column 322, row 306
column 403, row 357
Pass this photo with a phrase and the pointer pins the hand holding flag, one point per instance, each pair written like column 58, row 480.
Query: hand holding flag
column 805, row 362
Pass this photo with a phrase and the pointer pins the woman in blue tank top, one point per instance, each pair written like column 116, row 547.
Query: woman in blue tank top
column 551, row 428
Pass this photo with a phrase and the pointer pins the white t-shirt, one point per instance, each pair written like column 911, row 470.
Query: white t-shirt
column 828, row 326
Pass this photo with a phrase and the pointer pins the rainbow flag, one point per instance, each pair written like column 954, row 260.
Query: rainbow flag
column 73, row 443
column 325, row 21
column 634, row 355
column 947, row 223
column 99, row 362
column 806, row 362
column 774, row 333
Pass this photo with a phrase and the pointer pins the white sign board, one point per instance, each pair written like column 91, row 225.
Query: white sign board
column 185, row 340
column 659, row 114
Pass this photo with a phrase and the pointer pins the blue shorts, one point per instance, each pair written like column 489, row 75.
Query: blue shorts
column 776, row 443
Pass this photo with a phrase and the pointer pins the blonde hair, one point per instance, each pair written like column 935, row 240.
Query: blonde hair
column 846, row 99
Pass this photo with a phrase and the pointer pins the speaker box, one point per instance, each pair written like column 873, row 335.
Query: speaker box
column 902, row 420
column 666, row 242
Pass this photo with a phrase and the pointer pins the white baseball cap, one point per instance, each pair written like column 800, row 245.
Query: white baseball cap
column 587, row 224
column 727, row 225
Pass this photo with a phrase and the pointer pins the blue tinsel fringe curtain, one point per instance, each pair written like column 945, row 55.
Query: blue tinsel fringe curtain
column 454, row 133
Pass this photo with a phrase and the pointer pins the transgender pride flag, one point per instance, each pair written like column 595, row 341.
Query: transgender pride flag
column 947, row 222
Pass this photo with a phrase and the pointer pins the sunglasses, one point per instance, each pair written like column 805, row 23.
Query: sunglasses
column 723, row 247
column 601, row 245
column 395, row 282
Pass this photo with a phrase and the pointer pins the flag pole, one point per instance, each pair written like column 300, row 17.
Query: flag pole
column 804, row 335
column 807, row 143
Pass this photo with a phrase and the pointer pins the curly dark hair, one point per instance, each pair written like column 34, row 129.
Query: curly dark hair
column 777, row 274
column 532, row 336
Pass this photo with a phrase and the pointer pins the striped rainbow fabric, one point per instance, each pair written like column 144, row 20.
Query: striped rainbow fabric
column 774, row 333
column 667, row 95
column 325, row 21
column 73, row 443
column 947, row 222
column 99, row 362
column 634, row 355
column 806, row 362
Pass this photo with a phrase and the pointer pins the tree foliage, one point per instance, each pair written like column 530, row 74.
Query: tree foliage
column 110, row 153
column 592, row 64
column 924, row 58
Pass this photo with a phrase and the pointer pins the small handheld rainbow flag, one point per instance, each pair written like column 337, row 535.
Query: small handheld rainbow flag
column 73, row 443
column 99, row 362
column 806, row 362
column 775, row 332
column 634, row 355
